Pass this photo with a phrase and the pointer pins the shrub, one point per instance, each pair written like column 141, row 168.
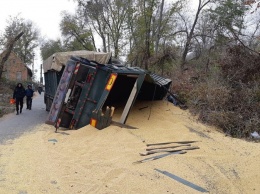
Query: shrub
column 228, row 95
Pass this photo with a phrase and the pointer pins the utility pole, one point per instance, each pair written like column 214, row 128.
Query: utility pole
column 41, row 80
column 33, row 67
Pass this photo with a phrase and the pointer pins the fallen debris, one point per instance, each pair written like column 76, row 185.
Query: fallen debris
column 167, row 150
column 183, row 181
column 178, row 142
column 53, row 140
column 172, row 100
column 143, row 108
column 155, row 148
column 255, row 135
column 122, row 125
column 63, row 133
column 158, row 157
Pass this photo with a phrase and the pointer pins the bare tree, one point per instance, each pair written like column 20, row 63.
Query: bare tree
column 25, row 46
column 76, row 32
column 115, row 20
column 9, row 47
column 93, row 11
column 190, row 34
column 159, row 28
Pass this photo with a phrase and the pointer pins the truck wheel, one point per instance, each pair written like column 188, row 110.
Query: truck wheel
column 48, row 104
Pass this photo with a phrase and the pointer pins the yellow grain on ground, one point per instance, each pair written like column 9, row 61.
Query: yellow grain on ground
column 101, row 161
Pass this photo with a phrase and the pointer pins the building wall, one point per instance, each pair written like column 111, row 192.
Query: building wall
column 249, row 2
column 15, row 69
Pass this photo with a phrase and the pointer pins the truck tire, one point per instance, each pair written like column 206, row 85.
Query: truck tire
column 48, row 104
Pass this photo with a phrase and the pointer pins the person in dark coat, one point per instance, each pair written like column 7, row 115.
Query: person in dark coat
column 19, row 93
column 40, row 89
column 29, row 94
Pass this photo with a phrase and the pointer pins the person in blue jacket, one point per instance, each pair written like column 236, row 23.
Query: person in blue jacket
column 29, row 94
column 19, row 93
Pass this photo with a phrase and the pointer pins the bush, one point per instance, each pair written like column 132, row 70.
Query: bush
column 227, row 96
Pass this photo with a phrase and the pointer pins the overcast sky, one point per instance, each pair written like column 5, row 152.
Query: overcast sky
column 46, row 15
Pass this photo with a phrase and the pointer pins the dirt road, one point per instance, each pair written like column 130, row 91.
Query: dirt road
column 13, row 126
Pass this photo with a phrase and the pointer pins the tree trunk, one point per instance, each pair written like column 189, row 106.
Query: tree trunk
column 190, row 35
column 93, row 40
column 148, row 21
column 104, row 43
column 159, row 29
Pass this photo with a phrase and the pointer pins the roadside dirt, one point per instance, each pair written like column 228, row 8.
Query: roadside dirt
column 102, row 161
column 5, row 95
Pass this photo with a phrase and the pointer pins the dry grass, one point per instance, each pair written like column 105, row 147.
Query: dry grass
column 228, row 98
column 6, row 92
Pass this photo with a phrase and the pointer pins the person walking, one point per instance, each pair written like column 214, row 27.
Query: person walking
column 19, row 93
column 29, row 94
column 40, row 89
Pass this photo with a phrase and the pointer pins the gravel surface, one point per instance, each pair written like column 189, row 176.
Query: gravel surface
column 13, row 126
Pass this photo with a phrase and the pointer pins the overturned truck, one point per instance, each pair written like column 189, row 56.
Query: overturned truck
column 88, row 87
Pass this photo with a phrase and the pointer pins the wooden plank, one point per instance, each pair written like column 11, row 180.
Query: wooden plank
column 164, row 143
column 165, row 147
column 158, row 157
column 137, row 86
column 129, row 104
column 183, row 181
column 167, row 150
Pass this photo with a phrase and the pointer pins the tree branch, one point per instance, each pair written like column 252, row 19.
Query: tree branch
column 4, row 55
